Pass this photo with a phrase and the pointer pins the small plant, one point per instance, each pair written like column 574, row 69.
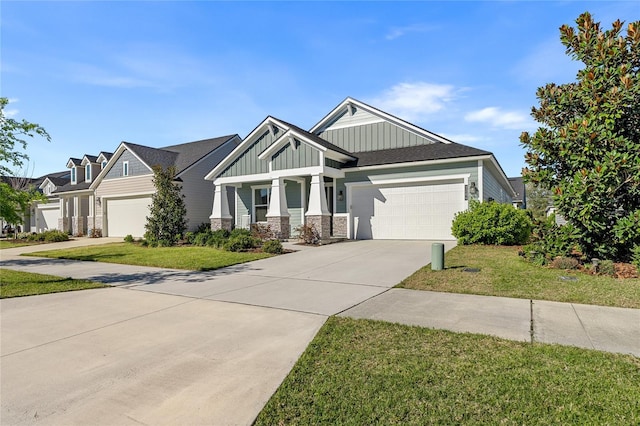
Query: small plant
column 308, row 234
column 238, row 232
column 53, row 236
column 95, row 233
column 128, row 239
column 607, row 267
column 240, row 243
column 562, row 262
column 635, row 256
column 217, row 238
column 189, row 237
column 261, row 231
column 272, row 246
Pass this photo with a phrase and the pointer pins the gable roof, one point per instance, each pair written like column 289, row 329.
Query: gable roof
column 434, row 151
column 191, row 152
column 518, row 186
column 74, row 162
column 317, row 139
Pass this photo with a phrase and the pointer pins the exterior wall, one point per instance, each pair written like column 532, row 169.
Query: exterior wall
column 248, row 163
column 136, row 167
column 470, row 167
column 131, row 185
column 493, row 189
column 243, row 203
column 199, row 192
column 359, row 117
column 302, row 156
column 294, row 205
column 372, row 137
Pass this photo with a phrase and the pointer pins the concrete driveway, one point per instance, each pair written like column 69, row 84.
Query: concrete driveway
column 175, row 351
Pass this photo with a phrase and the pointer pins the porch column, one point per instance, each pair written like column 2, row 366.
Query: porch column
column 91, row 217
column 220, row 216
column 278, row 214
column 318, row 215
column 63, row 219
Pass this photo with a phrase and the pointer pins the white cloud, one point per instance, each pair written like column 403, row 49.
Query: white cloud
column 396, row 32
column 499, row 118
column 11, row 112
column 415, row 101
column 463, row 137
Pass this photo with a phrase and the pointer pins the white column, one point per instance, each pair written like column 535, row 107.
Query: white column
column 278, row 201
column 317, row 198
column 92, row 205
column 63, row 208
column 76, row 207
column 220, row 203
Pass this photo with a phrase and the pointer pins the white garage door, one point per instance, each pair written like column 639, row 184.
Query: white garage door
column 47, row 218
column 127, row 216
column 409, row 212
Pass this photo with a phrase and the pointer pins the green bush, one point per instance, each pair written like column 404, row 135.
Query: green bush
column 562, row 262
column 201, row 238
column 128, row 239
column 635, row 256
column 272, row 246
column 52, row 236
column 551, row 241
column 217, row 238
column 492, row 223
column 240, row 243
column 189, row 237
column 607, row 267
column 240, row 232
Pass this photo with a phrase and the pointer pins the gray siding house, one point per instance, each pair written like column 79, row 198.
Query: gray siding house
column 359, row 173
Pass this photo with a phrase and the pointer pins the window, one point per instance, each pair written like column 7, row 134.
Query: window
column 125, row 168
column 87, row 173
column 261, row 204
column 47, row 190
column 104, row 164
column 73, row 175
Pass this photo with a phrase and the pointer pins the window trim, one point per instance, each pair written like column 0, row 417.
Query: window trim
column 87, row 172
column 103, row 164
column 74, row 175
column 254, row 188
column 125, row 168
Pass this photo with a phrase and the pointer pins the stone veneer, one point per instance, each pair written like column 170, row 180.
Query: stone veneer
column 221, row 224
column 78, row 225
column 340, row 226
column 279, row 226
column 63, row 224
column 322, row 224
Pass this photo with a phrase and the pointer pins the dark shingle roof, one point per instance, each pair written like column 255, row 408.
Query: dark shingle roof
column 317, row 139
column 153, row 156
column 75, row 161
column 433, row 151
column 68, row 187
column 91, row 158
column 106, row 155
column 189, row 153
column 518, row 186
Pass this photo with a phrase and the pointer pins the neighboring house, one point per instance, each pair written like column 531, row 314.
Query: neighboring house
column 520, row 199
column 359, row 173
column 119, row 196
column 45, row 215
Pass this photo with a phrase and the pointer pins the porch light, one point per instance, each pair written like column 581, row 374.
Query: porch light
column 340, row 195
column 473, row 190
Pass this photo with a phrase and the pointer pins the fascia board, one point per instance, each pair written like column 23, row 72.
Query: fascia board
column 110, row 163
column 503, row 176
column 418, row 163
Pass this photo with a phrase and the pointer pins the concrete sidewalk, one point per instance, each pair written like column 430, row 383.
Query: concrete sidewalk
column 587, row 326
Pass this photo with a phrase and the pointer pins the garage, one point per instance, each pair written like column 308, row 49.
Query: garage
column 127, row 216
column 47, row 217
column 406, row 212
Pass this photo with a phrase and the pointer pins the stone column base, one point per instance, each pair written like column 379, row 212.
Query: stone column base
column 78, row 225
column 224, row 223
column 322, row 225
column 279, row 227
column 63, row 224
column 340, row 226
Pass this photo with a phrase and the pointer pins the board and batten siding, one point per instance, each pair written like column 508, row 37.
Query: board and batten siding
column 493, row 189
column 289, row 158
column 122, row 187
column 136, row 167
column 373, row 137
column 248, row 162
column 198, row 192
column 444, row 170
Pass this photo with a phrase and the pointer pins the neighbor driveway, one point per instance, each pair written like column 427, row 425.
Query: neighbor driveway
column 173, row 350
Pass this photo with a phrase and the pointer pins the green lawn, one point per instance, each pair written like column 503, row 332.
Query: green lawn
column 190, row 257
column 504, row 273
column 6, row 244
column 362, row 372
column 17, row 283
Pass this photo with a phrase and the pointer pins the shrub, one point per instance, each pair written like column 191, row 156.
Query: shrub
column 261, row 231
column 492, row 223
column 607, row 267
column 201, row 238
column 308, row 234
column 189, row 237
column 240, row 243
column 272, row 246
column 54, row 236
column 203, row 227
column 240, row 232
column 217, row 238
column 95, row 233
column 22, row 235
column 551, row 241
column 635, row 256
column 128, row 239
column 562, row 262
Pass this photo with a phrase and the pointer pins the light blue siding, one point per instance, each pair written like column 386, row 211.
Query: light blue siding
column 248, row 162
column 288, row 158
column 493, row 189
column 136, row 167
column 373, row 137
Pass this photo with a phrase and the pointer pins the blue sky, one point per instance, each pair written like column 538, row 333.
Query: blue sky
column 160, row 73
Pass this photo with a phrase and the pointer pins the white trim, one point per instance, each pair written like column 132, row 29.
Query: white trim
column 125, row 168
column 89, row 165
column 418, row 163
column 74, row 175
column 323, row 124
column 480, row 181
column 204, row 157
column 291, row 133
column 253, row 200
column 114, row 159
column 127, row 195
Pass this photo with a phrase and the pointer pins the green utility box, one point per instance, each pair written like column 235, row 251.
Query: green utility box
column 437, row 257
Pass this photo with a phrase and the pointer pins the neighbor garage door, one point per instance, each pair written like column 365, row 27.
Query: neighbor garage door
column 127, row 216
column 407, row 212
column 47, row 218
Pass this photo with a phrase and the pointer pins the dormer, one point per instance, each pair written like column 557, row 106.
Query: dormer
column 77, row 171
column 103, row 159
column 91, row 167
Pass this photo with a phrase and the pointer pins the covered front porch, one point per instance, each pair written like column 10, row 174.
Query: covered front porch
column 283, row 203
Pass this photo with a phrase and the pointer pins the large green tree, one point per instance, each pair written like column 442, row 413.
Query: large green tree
column 587, row 150
column 167, row 217
column 15, row 200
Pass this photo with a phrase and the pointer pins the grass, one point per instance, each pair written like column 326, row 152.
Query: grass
column 358, row 372
column 7, row 244
column 504, row 273
column 189, row 258
column 17, row 283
